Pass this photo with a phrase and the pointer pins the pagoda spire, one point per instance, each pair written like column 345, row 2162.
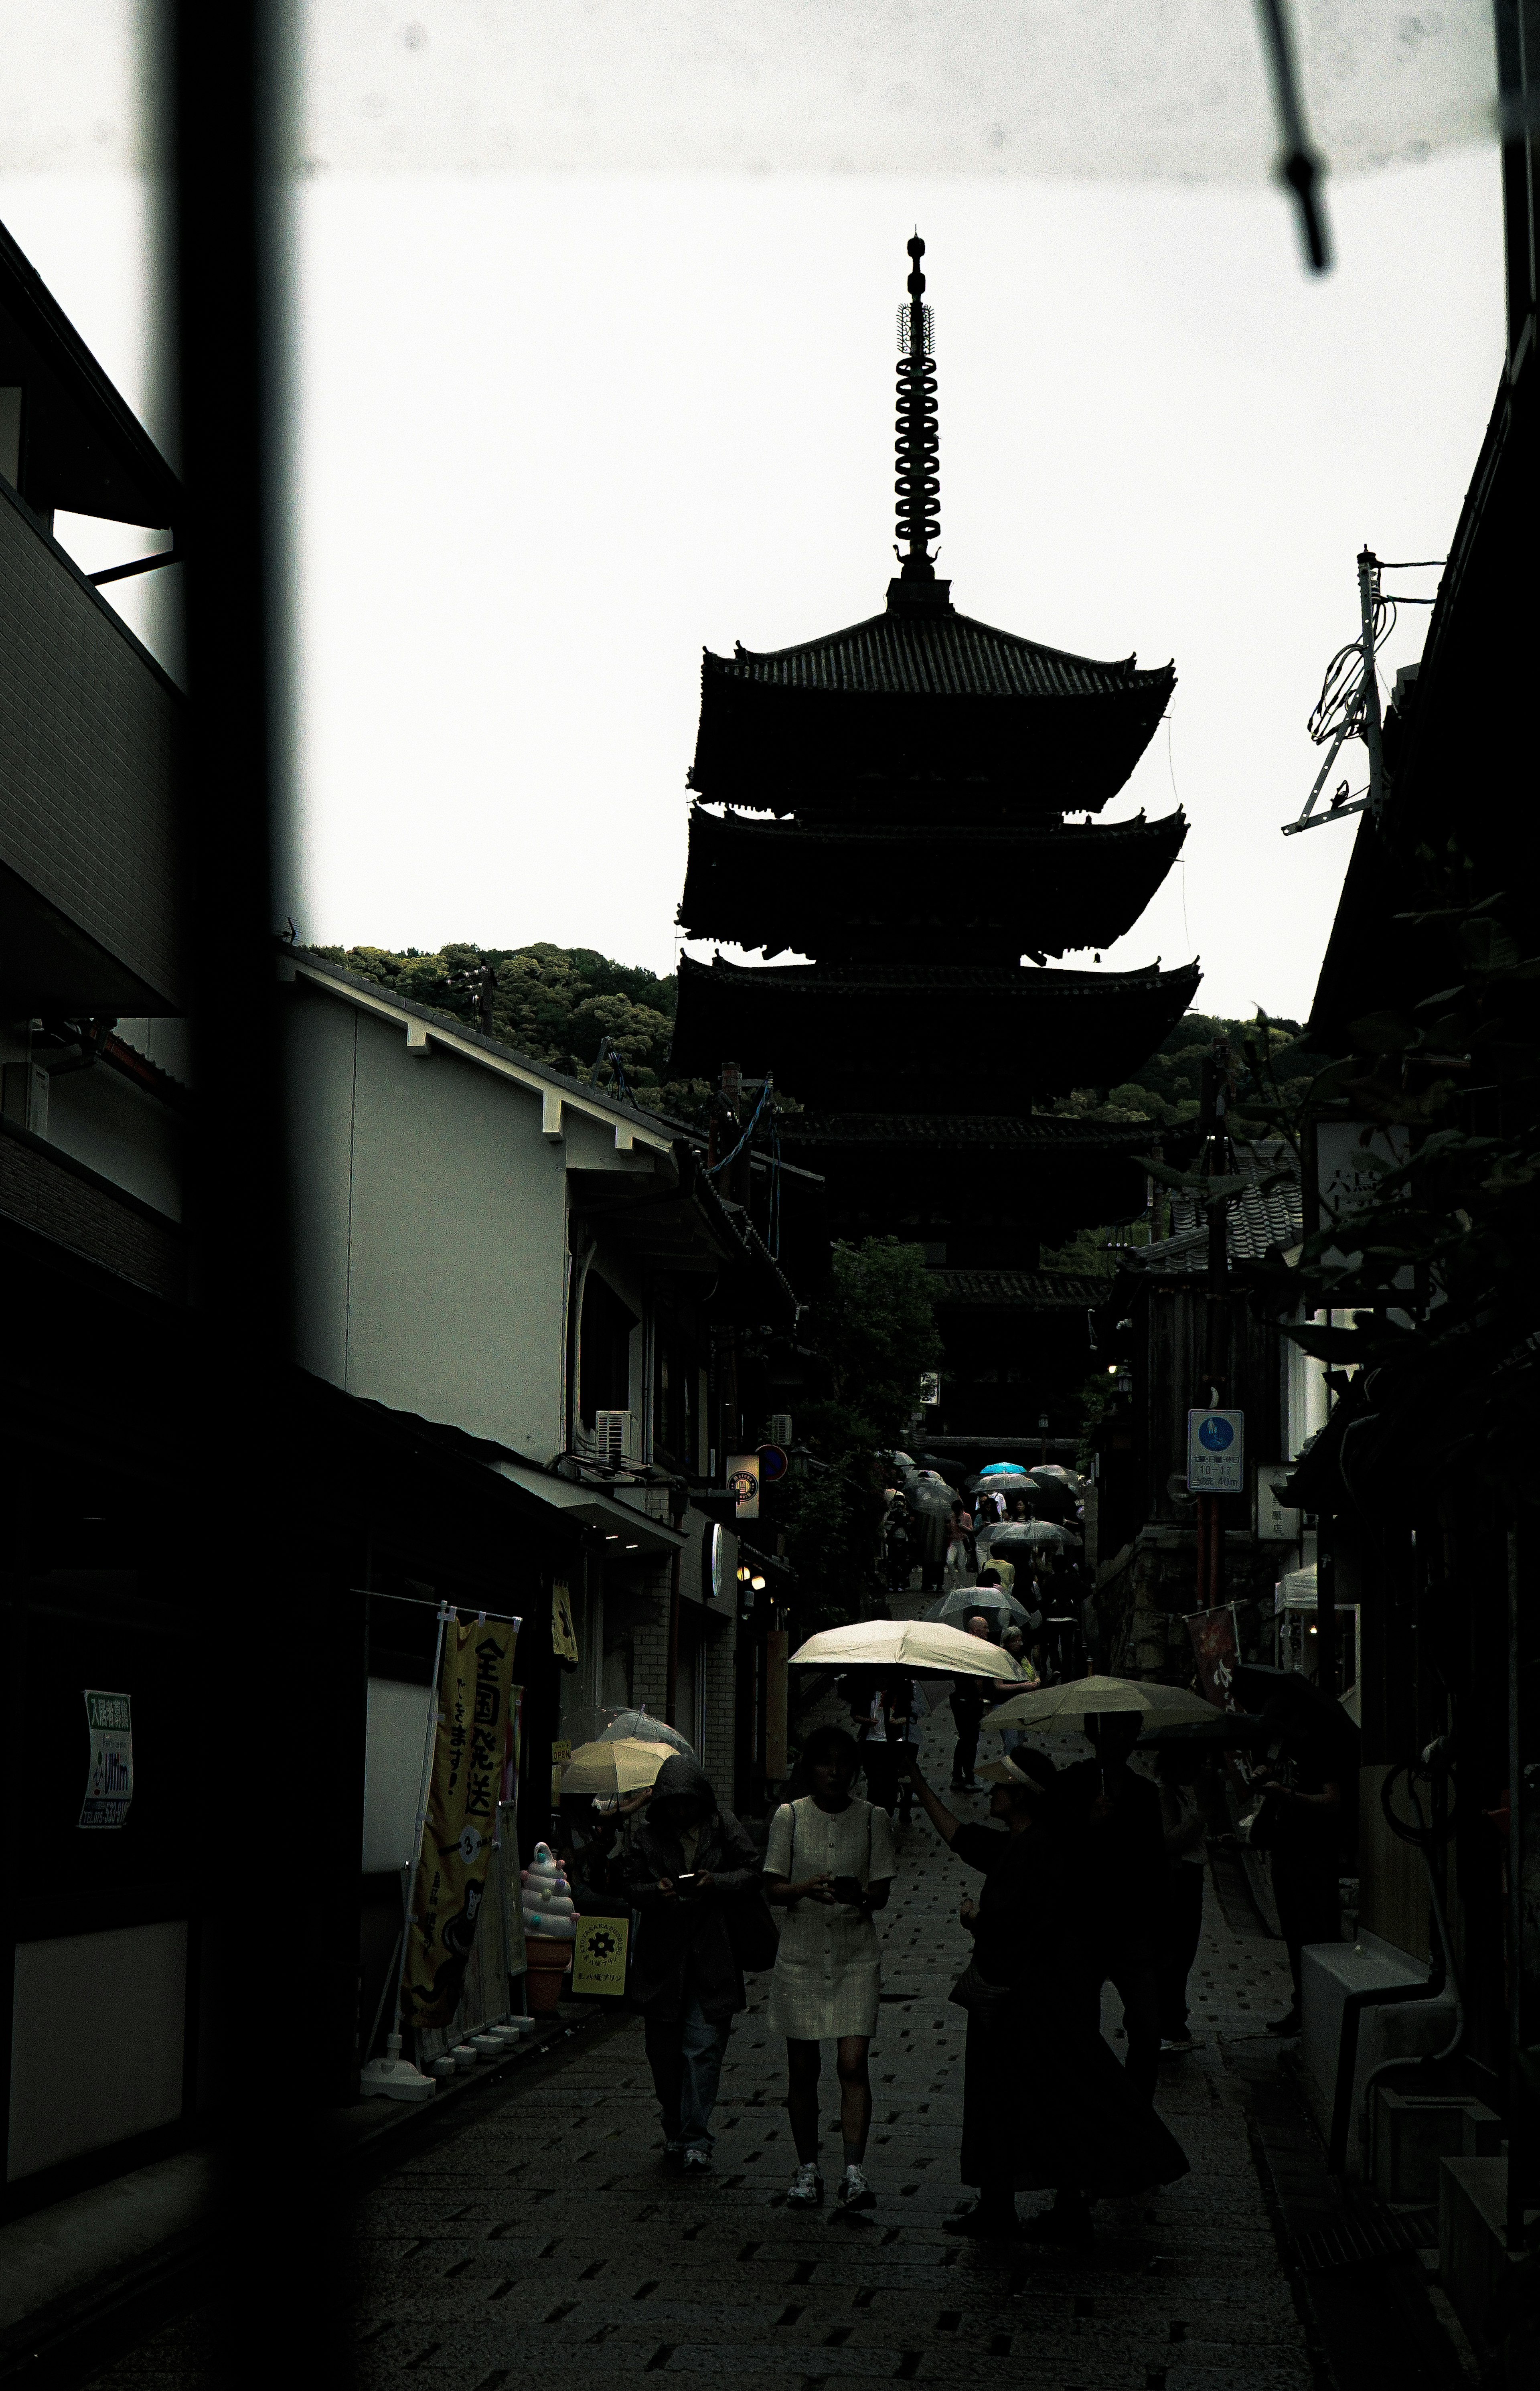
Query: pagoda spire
column 917, row 449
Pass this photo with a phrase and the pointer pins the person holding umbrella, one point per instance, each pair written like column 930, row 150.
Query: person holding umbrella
column 1116, row 1829
column 1113, row 1828
column 1075, row 2126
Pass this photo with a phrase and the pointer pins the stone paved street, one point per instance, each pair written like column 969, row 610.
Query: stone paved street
column 544, row 2241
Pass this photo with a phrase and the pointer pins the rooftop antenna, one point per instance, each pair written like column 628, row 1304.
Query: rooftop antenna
column 917, row 449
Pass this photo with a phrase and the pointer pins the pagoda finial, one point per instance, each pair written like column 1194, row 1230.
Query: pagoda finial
column 917, row 449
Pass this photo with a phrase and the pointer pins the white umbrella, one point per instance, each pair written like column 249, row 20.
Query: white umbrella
column 648, row 1729
column 910, row 1645
column 1078, row 1698
column 963, row 1599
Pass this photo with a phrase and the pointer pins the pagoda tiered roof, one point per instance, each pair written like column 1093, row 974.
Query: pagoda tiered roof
column 951, row 1178
column 933, row 1037
column 918, row 700
column 1036, row 887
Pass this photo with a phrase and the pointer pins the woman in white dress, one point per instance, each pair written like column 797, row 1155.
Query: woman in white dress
column 829, row 1864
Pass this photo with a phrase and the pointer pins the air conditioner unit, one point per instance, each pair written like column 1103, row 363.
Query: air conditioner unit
column 615, row 1437
column 778, row 1429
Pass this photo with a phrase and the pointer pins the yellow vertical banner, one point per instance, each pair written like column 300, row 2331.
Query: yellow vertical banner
column 470, row 1748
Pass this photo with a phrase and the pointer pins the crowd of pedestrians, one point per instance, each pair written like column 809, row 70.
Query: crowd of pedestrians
column 1084, row 1875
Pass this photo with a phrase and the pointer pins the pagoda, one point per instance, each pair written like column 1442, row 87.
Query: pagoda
column 889, row 804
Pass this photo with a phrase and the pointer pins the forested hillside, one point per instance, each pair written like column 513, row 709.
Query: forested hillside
column 566, row 1006
column 576, row 1008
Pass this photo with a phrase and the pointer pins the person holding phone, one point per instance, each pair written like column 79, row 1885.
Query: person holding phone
column 829, row 1864
column 689, row 1860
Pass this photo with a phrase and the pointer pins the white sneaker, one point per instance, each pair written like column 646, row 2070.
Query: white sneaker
column 807, row 2190
column 854, row 2190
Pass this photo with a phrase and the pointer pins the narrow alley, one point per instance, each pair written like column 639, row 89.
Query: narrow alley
column 579, row 2257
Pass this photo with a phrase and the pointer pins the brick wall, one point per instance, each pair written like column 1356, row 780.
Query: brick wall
column 716, row 1663
column 88, row 733
column 69, row 1204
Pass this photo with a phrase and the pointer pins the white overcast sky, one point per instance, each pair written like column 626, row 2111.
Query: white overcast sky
column 558, row 431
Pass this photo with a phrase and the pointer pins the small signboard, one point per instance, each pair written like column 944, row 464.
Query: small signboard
column 1216, row 1453
column 110, row 1773
column 742, row 1477
column 1277, row 1522
column 599, row 1958
column 1215, row 1650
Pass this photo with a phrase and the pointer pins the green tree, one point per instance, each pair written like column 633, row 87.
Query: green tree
column 568, row 1006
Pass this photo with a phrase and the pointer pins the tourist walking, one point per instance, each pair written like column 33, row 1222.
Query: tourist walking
column 1073, row 2124
column 689, row 1860
column 1183, row 1818
column 1117, row 1842
column 829, row 1864
column 960, row 1545
column 968, row 1699
column 887, row 1717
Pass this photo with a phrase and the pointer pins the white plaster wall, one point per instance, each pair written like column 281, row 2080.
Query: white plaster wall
column 115, row 1128
column 457, row 1245
column 431, row 1226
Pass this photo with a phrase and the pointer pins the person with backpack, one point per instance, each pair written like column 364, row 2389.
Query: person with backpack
column 690, row 1867
column 829, row 1864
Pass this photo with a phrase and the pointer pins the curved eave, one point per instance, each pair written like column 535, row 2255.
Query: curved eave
column 944, row 1039
column 764, row 744
column 811, row 888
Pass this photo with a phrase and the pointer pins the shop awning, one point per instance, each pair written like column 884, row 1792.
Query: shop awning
column 627, row 1528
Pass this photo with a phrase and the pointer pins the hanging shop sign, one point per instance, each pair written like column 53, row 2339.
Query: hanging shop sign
column 742, row 1477
column 599, row 1957
column 1277, row 1522
column 110, row 1771
column 471, row 1746
column 1216, row 1453
column 1216, row 1653
column 714, row 1568
column 564, row 1635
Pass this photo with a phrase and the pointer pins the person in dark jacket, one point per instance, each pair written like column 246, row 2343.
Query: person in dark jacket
column 968, row 1697
column 1072, row 2122
column 689, row 1859
column 1118, row 1844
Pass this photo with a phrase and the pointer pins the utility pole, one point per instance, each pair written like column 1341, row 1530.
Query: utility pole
column 1368, row 606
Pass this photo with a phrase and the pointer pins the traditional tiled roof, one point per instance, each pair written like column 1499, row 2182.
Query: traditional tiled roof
column 936, row 655
column 1034, row 886
column 1025, row 1290
column 1090, row 842
column 834, row 980
column 1259, row 1220
column 962, row 1037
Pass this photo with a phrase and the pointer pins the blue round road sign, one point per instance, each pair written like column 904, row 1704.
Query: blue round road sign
column 1215, row 1435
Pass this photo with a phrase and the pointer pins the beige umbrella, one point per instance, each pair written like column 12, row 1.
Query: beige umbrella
column 624, row 1763
column 1070, row 1704
column 923, row 1645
